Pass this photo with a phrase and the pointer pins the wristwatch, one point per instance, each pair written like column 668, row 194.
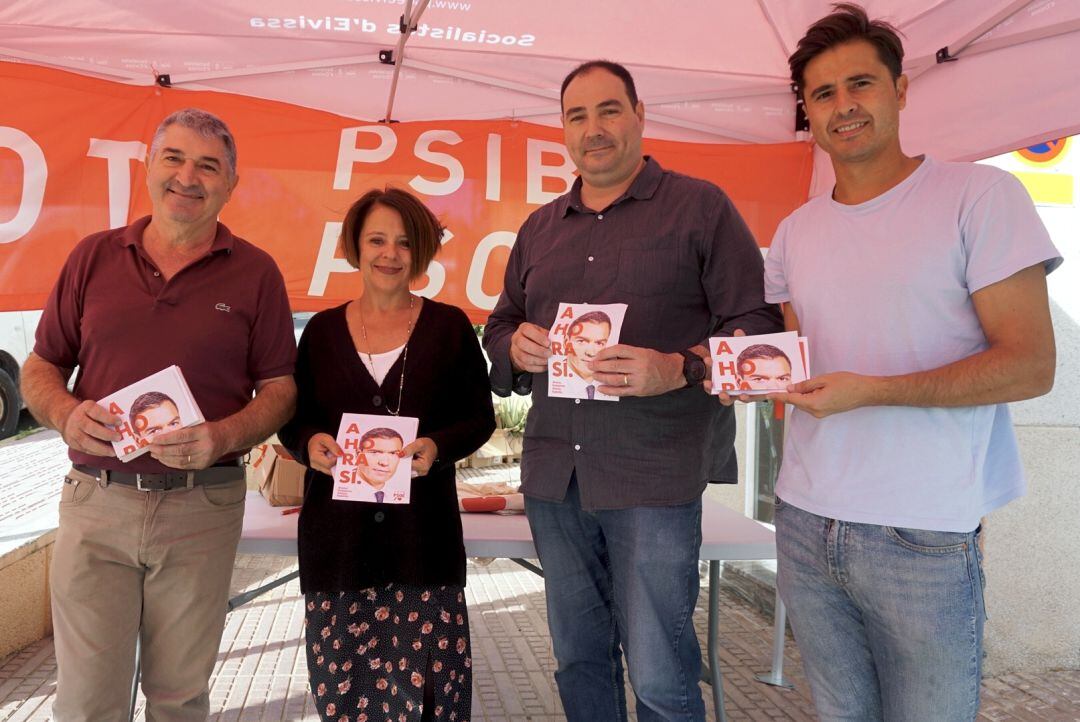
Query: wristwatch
column 693, row 368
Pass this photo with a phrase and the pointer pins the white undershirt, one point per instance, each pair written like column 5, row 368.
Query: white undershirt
column 380, row 363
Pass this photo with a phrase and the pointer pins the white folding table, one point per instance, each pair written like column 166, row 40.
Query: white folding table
column 725, row 535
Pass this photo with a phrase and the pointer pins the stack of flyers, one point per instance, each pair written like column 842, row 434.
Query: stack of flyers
column 581, row 331
column 158, row 403
column 758, row 365
column 371, row 468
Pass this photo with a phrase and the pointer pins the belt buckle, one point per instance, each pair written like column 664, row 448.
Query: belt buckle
column 165, row 482
column 152, row 484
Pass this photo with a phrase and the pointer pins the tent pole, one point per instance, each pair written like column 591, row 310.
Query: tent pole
column 772, row 26
column 409, row 20
column 922, row 64
column 779, row 88
column 975, row 33
column 117, row 74
column 185, row 78
column 709, row 129
column 953, row 50
column 484, row 79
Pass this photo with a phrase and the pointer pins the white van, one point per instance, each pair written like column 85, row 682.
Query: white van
column 16, row 341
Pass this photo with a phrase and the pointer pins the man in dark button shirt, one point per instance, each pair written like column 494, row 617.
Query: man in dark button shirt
column 145, row 549
column 613, row 490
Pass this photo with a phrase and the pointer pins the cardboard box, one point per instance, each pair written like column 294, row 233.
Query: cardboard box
column 280, row 477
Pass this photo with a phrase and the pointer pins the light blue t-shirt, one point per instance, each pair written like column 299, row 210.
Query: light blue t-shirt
column 884, row 288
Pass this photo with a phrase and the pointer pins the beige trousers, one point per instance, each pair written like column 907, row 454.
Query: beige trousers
column 130, row 565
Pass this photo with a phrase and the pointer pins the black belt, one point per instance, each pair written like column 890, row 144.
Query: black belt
column 217, row 474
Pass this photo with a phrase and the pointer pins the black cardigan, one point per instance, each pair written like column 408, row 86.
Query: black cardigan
column 344, row 545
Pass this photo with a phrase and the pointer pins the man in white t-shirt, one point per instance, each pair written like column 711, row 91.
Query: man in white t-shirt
column 922, row 288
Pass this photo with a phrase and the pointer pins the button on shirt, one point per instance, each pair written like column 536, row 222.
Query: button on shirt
column 677, row 252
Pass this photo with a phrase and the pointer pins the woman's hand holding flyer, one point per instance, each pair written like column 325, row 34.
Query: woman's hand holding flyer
column 423, row 452
column 323, row 453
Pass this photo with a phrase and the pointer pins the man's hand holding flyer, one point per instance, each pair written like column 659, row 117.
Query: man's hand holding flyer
column 371, row 467
column 581, row 331
column 758, row 365
column 158, row 403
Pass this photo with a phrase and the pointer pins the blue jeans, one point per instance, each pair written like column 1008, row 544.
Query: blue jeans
column 625, row 578
column 889, row 621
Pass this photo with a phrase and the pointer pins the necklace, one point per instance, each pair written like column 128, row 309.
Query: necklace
column 404, row 353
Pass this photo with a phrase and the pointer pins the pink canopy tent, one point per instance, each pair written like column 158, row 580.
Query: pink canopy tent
column 312, row 80
column 987, row 75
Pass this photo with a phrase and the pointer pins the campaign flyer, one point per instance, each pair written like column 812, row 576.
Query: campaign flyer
column 758, row 365
column 581, row 331
column 372, row 468
column 158, row 403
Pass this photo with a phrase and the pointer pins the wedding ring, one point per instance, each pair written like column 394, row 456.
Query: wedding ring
column 189, row 459
column 625, row 379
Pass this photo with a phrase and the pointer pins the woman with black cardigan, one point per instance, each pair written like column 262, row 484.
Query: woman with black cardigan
column 387, row 632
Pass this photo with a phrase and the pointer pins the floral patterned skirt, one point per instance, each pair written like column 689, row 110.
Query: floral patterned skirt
column 382, row 654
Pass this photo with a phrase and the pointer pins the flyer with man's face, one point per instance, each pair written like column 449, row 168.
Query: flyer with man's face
column 580, row 332
column 758, row 365
column 158, row 404
column 371, row 468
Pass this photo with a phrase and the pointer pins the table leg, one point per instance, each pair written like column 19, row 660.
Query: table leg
column 529, row 565
column 775, row 677
column 135, row 681
column 711, row 673
column 244, row 597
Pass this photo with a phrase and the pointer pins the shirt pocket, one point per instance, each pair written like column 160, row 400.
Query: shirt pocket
column 652, row 272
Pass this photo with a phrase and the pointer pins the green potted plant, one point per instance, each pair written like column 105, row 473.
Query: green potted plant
column 510, row 416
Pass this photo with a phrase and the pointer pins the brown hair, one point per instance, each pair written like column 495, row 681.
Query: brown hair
column 381, row 432
column 759, row 351
column 149, row 400
column 421, row 226
column 590, row 317
column 615, row 69
column 847, row 23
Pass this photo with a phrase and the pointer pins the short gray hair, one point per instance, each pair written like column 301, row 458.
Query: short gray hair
column 205, row 124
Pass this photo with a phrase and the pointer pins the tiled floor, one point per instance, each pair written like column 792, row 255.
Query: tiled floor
column 261, row 669
column 261, row 676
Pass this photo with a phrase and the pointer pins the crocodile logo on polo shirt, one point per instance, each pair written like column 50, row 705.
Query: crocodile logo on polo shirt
column 223, row 307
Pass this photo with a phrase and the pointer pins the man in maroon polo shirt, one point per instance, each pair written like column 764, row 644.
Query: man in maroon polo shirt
column 145, row 549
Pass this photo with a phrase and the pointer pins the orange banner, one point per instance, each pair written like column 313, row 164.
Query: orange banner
column 71, row 163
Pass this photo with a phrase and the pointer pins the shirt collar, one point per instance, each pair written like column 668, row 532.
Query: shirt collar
column 642, row 188
column 133, row 233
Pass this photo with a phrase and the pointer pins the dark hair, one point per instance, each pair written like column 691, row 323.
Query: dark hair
column 205, row 124
column 149, row 400
column 421, row 226
column 759, row 350
column 847, row 23
column 590, row 317
column 380, row 432
column 615, row 69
